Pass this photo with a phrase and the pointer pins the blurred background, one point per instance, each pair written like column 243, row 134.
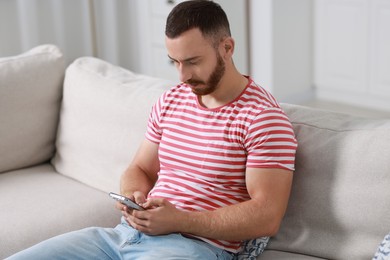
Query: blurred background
column 331, row 54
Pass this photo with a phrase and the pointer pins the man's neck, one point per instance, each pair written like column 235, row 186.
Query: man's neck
column 228, row 89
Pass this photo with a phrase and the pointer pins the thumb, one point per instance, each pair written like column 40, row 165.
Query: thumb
column 139, row 197
column 154, row 203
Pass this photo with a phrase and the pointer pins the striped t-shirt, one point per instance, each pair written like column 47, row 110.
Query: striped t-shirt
column 204, row 152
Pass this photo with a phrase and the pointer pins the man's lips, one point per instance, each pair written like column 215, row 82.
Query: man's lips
column 194, row 83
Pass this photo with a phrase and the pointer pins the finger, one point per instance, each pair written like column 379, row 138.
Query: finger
column 139, row 197
column 119, row 206
column 130, row 218
column 125, row 212
column 150, row 203
column 138, row 223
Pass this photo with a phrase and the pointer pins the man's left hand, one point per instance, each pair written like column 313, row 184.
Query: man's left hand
column 160, row 217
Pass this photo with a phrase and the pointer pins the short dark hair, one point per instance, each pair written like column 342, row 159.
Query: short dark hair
column 206, row 15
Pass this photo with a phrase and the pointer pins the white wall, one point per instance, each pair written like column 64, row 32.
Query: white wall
column 261, row 42
column 352, row 52
column 293, row 55
column 238, row 19
column 281, row 48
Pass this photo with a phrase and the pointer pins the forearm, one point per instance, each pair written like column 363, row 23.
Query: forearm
column 250, row 219
column 134, row 179
column 141, row 175
column 269, row 190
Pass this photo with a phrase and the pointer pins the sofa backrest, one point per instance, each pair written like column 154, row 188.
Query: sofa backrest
column 340, row 202
column 103, row 120
column 30, row 96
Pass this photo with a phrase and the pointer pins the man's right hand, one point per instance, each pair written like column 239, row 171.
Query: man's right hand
column 137, row 196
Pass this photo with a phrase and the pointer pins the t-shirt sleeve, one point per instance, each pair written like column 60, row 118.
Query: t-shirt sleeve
column 270, row 141
column 154, row 131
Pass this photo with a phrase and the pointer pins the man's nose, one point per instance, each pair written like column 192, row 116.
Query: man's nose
column 184, row 73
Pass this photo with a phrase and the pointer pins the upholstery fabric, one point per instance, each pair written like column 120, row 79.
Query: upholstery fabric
column 339, row 207
column 41, row 203
column 103, row 120
column 252, row 248
column 280, row 255
column 383, row 251
column 30, row 95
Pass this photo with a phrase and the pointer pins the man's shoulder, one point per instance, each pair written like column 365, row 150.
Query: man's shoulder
column 178, row 90
column 177, row 95
column 259, row 98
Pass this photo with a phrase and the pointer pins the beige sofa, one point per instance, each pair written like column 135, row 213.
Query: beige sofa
column 65, row 139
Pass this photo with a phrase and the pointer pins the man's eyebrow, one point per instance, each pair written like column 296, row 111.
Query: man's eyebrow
column 185, row 60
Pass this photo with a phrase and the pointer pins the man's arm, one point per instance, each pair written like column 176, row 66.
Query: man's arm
column 269, row 190
column 141, row 175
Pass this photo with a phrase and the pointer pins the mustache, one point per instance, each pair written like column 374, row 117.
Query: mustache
column 194, row 82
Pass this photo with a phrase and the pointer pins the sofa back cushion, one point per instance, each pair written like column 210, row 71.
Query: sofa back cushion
column 30, row 96
column 103, row 120
column 339, row 206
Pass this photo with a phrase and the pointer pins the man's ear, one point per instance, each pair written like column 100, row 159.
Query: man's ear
column 228, row 46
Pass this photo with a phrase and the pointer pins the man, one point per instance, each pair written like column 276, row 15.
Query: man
column 215, row 168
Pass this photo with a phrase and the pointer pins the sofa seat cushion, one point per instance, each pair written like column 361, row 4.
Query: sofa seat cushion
column 339, row 206
column 30, row 97
column 103, row 120
column 280, row 255
column 38, row 203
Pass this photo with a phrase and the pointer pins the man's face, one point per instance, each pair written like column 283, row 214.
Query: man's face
column 199, row 64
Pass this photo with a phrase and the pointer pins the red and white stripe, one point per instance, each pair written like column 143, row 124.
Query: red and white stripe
column 204, row 152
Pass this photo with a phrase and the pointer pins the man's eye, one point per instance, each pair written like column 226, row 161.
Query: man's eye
column 174, row 62
column 192, row 62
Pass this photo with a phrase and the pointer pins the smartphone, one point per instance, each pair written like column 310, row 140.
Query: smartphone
column 126, row 201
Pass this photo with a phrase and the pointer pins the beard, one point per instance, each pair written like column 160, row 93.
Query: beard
column 212, row 83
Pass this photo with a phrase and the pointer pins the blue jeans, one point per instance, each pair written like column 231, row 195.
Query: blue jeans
column 121, row 242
